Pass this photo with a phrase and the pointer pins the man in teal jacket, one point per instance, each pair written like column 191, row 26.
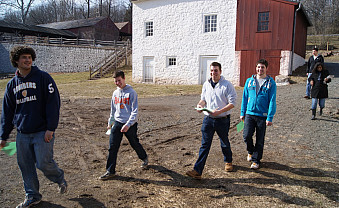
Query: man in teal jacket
column 257, row 110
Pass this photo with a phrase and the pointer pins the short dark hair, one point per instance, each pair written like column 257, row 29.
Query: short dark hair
column 315, row 48
column 119, row 74
column 216, row 64
column 262, row 61
column 17, row 51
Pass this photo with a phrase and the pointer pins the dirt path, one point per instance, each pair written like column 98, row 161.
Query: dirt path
column 300, row 164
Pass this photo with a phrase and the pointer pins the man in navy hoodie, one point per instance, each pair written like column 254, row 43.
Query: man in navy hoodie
column 258, row 107
column 31, row 104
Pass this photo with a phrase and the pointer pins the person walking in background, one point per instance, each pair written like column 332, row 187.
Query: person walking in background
column 219, row 95
column 315, row 58
column 32, row 104
column 258, row 107
column 318, row 80
column 124, row 115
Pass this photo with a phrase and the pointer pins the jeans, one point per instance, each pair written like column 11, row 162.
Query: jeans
column 308, row 86
column 257, row 124
column 33, row 152
column 315, row 102
column 114, row 144
column 209, row 126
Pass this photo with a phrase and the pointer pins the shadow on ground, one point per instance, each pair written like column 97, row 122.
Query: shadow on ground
column 238, row 187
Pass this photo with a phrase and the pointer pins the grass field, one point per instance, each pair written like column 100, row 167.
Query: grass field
column 77, row 85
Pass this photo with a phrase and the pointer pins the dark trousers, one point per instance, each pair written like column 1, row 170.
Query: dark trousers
column 257, row 124
column 114, row 144
column 209, row 126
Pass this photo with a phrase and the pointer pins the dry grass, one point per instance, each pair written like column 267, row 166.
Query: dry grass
column 77, row 85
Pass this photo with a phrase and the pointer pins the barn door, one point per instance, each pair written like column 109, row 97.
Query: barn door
column 273, row 57
column 148, row 69
column 248, row 60
column 205, row 62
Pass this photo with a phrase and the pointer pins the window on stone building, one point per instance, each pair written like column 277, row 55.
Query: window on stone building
column 149, row 28
column 263, row 20
column 210, row 23
column 172, row 61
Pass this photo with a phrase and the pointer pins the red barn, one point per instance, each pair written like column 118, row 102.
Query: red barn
column 272, row 29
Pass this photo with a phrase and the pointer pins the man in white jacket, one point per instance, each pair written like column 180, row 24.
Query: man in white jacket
column 123, row 120
column 219, row 96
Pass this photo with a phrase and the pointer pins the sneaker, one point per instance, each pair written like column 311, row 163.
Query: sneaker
column 228, row 167
column 106, row 176
column 249, row 157
column 307, row 97
column 29, row 202
column 144, row 164
column 194, row 174
column 255, row 166
column 63, row 187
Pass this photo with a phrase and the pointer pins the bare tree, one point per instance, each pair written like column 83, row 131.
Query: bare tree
column 24, row 7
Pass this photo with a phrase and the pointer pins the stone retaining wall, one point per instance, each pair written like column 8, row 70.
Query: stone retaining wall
column 52, row 58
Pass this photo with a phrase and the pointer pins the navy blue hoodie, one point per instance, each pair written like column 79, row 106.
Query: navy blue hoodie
column 31, row 104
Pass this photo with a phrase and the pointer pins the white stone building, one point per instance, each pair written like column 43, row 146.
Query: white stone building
column 174, row 41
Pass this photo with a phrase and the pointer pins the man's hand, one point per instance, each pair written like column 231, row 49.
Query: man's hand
column 242, row 118
column 124, row 128
column 48, row 136
column 216, row 112
column 311, row 82
column 199, row 106
column 269, row 123
column 2, row 143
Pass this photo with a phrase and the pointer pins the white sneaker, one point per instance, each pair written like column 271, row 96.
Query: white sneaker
column 249, row 157
column 255, row 166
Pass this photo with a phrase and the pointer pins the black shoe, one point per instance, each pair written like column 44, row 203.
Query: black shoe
column 63, row 187
column 321, row 112
column 313, row 114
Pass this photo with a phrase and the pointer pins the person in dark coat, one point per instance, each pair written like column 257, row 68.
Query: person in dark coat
column 318, row 80
column 315, row 58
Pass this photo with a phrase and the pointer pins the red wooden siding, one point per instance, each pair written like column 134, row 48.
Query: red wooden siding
column 248, row 60
column 280, row 31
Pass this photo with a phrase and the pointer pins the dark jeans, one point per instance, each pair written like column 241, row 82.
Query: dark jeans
column 114, row 144
column 257, row 124
column 209, row 126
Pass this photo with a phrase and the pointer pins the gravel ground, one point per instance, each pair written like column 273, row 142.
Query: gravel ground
column 299, row 167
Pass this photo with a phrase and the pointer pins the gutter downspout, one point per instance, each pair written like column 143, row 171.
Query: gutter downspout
column 293, row 39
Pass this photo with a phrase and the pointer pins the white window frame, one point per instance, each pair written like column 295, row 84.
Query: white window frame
column 169, row 61
column 209, row 25
column 149, row 28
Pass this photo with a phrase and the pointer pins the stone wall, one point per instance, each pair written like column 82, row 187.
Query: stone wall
column 52, row 58
column 179, row 32
column 285, row 62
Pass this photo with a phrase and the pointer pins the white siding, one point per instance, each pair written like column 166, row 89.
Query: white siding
column 178, row 31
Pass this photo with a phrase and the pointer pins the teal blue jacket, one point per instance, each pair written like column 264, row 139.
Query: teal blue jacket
column 262, row 104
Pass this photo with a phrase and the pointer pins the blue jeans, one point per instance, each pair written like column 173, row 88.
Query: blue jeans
column 33, row 152
column 209, row 126
column 315, row 102
column 257, row 124
column 308, row 86
column 114, row 144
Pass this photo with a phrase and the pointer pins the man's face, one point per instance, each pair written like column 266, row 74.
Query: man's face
column 314, row 52
column 261, row 69
column 120, row 82
column 215, row 73
column 25, row 62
